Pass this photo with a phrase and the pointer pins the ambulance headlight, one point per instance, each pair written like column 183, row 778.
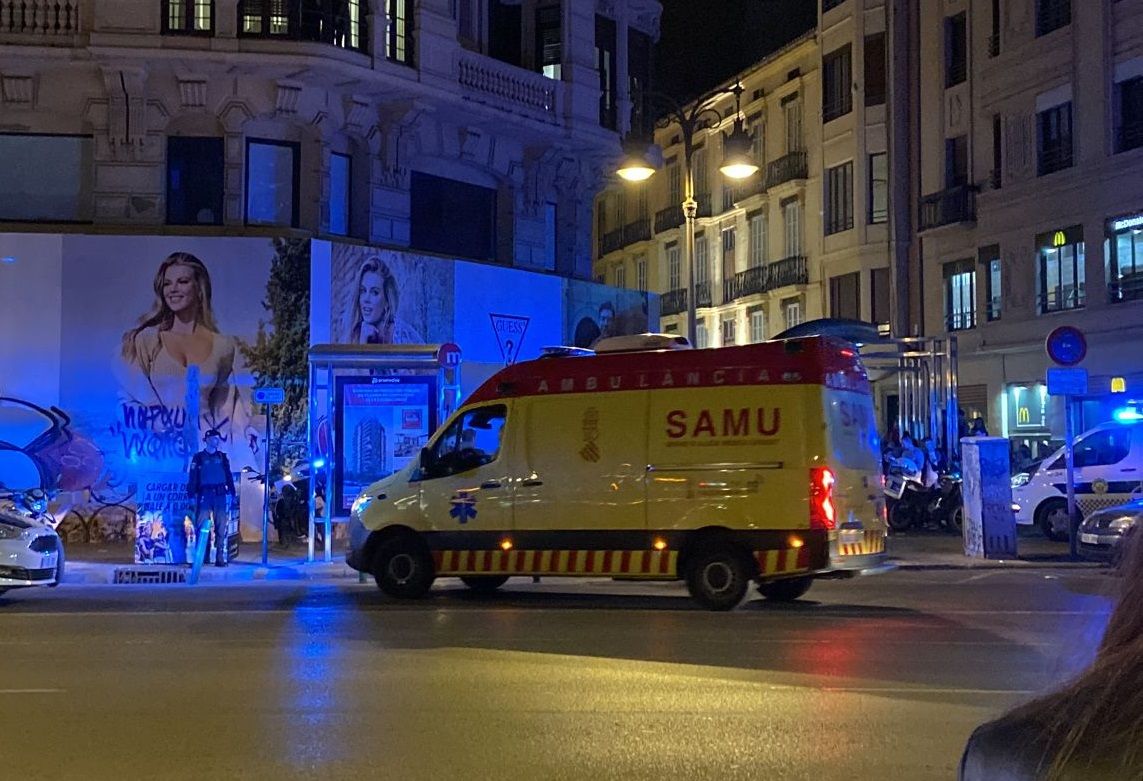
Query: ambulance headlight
column 360, row 503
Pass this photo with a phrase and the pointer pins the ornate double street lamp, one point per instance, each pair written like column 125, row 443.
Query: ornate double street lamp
column 737, row 163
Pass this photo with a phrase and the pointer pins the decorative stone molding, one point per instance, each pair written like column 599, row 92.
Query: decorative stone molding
column 126, row 108
column 289, row 93
column 17, row 89
column 192, row 92
column 359, row 113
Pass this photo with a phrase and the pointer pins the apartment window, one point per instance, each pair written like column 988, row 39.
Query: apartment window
column 792, row 222
column 792, row 115
column 641, row 273
column 997, row 177
column 549, row 40
column 956, row 50
column 605, row 48
column 674, row 275
column 757, row 319
column 829, row 5
column 702, row 259
column 1054, row 132
column 837, row 92
column 989, row 258
column 960, row 295
column 639, row 67
column 452, row 217
column 1130, row 133
column 1061, row 272
column 339, row 193
column 399, row 32
column 879, row 295
column 1123, row 251
column 845, row 296
column 271, row 183
column 956, row 162
column 1052, row 15
column 839, row 198
column 729, row 325
column 343, row 26
column 674, row 184
column 672, row 328
column 194, row 180
column 702, row 185
column 878, row 188
column 621, row 275
column 758, row 144
column 188, row 17
column 792, row 312
column 729, row 260
column 875, row 76
column 702, row 341
column 994, row 38
column 468, row 23
column 46, row 178
column 757, row 226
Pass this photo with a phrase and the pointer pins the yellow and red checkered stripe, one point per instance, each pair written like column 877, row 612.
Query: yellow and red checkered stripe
column 871, row 542
column 595, row 562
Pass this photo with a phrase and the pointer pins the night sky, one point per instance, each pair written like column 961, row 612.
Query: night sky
column 706, row 42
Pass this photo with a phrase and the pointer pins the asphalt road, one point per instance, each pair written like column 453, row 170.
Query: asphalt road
column 878, row 678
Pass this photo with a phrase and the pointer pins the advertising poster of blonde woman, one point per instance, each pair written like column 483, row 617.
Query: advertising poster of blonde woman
column 390, row 297
column 152, row 356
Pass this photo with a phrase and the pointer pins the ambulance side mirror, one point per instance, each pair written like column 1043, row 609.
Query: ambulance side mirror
column 426, row 459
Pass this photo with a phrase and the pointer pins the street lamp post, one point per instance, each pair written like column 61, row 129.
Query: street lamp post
column 737, row 164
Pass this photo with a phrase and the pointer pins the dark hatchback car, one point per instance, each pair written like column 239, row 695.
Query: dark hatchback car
column 1102, row 531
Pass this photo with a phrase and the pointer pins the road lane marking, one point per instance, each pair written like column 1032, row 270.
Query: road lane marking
column 32, row 691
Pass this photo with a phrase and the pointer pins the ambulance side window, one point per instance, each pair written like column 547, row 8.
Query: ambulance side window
column 472, row 441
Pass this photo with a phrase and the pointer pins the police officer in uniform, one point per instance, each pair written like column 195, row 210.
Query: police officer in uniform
column 209, row 484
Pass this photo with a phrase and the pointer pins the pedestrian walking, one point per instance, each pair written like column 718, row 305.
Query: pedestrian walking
column 1090, row 729
column 209, row 485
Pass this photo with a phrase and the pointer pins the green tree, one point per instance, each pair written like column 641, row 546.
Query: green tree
column 278, row 356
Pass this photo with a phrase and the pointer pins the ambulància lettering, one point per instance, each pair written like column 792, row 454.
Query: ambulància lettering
column 744, row 422
column 672, row 379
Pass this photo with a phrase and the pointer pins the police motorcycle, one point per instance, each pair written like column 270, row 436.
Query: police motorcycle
column 32, row 504
column 917, row 496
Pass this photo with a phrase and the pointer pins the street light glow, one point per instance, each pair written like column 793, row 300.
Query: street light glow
column 636, row 170
column 739, row 169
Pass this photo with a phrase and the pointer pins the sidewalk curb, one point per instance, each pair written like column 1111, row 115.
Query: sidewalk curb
column 91, row 573
column 1000, row 564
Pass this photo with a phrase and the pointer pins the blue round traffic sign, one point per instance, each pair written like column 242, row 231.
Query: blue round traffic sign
column 1066, row 345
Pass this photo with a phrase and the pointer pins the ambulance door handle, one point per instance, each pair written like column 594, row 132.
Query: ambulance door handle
column 490, row 484
column 532, row 483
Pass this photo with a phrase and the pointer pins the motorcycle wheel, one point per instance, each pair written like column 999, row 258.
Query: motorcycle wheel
column 900, row 517
column 956, row 520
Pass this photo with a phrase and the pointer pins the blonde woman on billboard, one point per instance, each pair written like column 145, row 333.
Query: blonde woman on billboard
column 177, row 339
column 376, row 306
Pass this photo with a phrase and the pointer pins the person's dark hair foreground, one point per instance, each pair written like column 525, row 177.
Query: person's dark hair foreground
column 1092, row 728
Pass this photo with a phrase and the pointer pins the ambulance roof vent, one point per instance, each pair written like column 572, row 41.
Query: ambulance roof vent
column 637, row 343
column 565, row 352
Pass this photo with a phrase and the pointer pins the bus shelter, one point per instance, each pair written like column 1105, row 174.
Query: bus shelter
column 372, row 407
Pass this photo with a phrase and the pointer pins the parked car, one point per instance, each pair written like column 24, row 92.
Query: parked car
column 31, row 553
column 1101, row 532
column 1108, row 462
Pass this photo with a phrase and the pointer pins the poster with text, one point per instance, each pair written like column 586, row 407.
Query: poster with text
column 382, row 424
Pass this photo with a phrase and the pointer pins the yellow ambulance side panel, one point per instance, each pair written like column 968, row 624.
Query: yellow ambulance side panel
column 737, row 456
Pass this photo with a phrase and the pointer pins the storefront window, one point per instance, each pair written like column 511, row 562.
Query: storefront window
column 1061, row 272
column 1026, row 407
column 1124, row 253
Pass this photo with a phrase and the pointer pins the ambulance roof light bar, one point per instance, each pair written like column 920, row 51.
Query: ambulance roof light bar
column 637, row 343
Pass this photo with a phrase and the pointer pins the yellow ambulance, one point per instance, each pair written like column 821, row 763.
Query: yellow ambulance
column 642, row 461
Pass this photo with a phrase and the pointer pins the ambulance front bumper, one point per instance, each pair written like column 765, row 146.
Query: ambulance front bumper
column 358, row 535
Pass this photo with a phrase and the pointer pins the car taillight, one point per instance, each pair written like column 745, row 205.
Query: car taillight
column 822, row 512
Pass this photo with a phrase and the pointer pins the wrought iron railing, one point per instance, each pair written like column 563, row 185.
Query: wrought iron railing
column 610, row 242
column 788, row 271
column 669, row 218
column 1054, row 158
column 640, row 230
column 956, row 204
column 786, row 169
column 673, row 301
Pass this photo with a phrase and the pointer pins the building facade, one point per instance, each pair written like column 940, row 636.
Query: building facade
column 758, row 245
column 470, row 128
column 1029, row 128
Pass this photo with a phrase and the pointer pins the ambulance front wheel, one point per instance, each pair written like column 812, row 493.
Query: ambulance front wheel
column 403, row 568
column 717, row 578
column 786, row 590
column 484, row 584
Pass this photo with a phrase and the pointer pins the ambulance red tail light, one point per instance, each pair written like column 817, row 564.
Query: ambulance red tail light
column 823, row 515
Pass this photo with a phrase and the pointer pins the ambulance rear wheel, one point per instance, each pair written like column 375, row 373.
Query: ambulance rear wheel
column 403, row 568
column 717, row 578
column 484, row 584
column 785, row 590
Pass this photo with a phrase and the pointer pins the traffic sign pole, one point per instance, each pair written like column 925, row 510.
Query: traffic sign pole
column 266, row 491
column 1069, row 461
